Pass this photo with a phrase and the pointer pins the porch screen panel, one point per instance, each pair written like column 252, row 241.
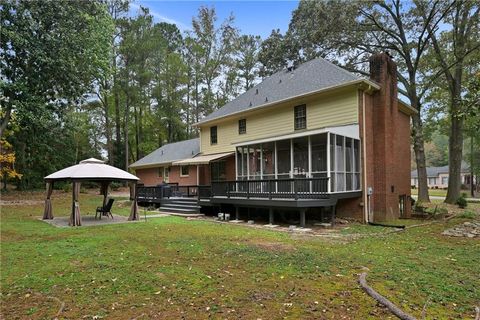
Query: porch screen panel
column 339, row 163
column 283, row 158
column 268, row 159
column 319, row 155
column 300, row 157
column 283, row 165
column 241, row 164
column 356, row 167
column 348, row 164
column 254, row 157
column 332, row 161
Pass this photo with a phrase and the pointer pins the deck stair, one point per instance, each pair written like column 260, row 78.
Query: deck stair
column 180, row 205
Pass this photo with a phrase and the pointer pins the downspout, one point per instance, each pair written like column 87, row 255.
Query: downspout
column 366, row 202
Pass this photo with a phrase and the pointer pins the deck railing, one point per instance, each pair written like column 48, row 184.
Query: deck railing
column 295, row 188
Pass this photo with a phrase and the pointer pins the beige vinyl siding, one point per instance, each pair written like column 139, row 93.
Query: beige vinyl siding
column 324, row 110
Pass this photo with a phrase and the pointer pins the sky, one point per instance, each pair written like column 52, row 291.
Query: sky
column 251, row 17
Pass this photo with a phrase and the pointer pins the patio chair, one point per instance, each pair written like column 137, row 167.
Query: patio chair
column 105, row 210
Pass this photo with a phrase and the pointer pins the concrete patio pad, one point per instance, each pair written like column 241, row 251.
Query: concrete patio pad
column 89, row 220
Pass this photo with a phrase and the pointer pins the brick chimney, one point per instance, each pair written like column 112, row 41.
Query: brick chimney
column 385, row 165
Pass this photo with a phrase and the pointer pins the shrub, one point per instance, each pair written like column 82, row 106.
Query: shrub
column 462, row 201
column 67, row 187
column 115, row 186
column 468, row 215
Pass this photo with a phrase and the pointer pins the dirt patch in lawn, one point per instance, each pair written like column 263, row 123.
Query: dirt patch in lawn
column 272, row 246
column 21, row 202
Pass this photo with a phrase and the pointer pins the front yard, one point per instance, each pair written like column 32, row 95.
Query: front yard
column 172, row 268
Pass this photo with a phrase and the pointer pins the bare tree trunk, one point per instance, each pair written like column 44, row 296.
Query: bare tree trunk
column 418, row 148
column 455, row 147
column 135, row 119
column 127, row 111
column 455, row 153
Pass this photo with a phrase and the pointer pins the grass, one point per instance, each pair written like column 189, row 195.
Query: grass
column 432, row 192
column 172, row 268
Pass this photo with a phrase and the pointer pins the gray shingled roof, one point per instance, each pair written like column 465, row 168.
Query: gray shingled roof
column 310, row 76
column 435, row 171
column 170, row 152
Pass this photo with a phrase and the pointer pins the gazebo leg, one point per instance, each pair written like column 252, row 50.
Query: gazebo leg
column 75, row 219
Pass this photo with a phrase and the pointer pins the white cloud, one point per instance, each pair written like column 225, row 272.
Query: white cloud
column 160, row 17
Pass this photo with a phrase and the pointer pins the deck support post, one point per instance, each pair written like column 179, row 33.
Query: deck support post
column 270, row 213
column 237, row 213
column 302, row 218
column 333, row 215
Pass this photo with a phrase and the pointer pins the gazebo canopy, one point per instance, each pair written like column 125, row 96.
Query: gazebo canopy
column 91, row 169
column 94, row 170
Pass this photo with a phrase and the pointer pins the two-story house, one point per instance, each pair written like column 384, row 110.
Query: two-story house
column 314, row 138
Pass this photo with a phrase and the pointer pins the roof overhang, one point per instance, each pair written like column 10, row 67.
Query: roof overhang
column 365, row 84
column 149, row 165
column 203, row 159
column 406, row 108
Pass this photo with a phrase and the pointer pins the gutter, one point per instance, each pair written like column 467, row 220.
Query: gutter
column 366, row 207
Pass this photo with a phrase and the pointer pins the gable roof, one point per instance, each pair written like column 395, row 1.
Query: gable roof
column 169, row 153
column 311, row 76
column 435, row 171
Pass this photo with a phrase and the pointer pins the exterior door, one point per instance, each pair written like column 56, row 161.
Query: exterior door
column 166, row 172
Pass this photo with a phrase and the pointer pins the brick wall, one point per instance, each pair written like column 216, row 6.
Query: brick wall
column 189, row 180
column 350, row 208
column 150, row 176
column 388, row 142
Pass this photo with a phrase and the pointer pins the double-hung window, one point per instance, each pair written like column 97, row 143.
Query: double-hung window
column 184, row 171
column 242, row 126
column 213, row 135
column 300, row 117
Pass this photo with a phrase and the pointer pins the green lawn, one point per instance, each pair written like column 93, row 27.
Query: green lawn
column 174, row 268
column 433, row 192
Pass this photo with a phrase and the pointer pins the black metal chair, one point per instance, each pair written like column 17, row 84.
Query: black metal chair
column 105, row 210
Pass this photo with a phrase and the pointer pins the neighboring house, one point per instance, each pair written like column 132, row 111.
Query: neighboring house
column 437, row 177
column 316, row 138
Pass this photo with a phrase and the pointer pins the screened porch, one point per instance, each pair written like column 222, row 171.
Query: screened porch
column 303, row 167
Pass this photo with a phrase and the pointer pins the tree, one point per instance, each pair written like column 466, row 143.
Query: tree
column 247, row 62
column 451, row 49
column 363, row 28
column 7, row 163
column 214, row 51
column 272, row 54
column 51, row 51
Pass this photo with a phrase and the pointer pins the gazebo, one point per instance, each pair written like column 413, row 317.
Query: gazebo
column 93, row 170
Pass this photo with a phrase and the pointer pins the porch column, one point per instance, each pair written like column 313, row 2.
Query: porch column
column 133, row 198
column 198, row 175
column 75, row 219
column 47, row 213
column 328, row 164
column 302, row 218
column 270, row 212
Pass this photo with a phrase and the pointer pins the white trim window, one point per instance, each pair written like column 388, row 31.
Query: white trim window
column 184, row 171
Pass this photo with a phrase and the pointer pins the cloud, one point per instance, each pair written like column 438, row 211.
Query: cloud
column 160, row 17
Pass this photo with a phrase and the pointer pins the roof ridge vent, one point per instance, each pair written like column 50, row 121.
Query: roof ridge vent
column 250, row 104
column 280, row 81
column 266, row 99
column 256, row 91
